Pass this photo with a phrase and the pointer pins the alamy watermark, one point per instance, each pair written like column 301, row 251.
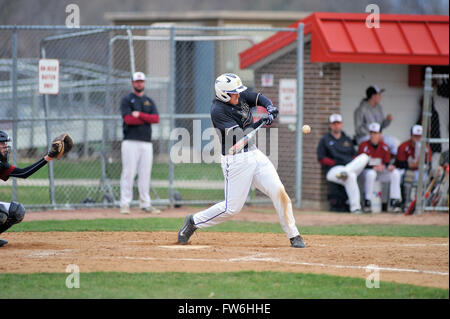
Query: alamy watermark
column 204, row 146
column 373, row 19
column 73, row 17
column 73, row 280
column 373, row 280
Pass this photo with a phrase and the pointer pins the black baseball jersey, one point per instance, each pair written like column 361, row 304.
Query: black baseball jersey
column 340, row 150
column 7, row 170
column 234, row 121
column 130, row 103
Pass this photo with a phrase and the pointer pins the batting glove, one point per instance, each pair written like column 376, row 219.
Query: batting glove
column 269, row 119
column 272, row 110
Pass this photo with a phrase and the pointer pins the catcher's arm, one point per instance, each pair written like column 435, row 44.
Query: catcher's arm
column 29, row 170
column 60, row 145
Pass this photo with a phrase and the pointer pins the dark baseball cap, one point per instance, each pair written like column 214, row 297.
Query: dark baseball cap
column 373, row 89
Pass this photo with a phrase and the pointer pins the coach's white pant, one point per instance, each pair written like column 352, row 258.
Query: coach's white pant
column 137, row 157
column 394, row 178
column 353, row 169
column 240, row 171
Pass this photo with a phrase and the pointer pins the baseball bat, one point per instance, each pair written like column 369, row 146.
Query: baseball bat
column 427, row 193
column 239, row 146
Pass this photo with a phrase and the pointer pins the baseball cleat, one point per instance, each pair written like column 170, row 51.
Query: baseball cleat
column 151, row 210
column 186, row 230
column 3, row 242
column 125, row 210
column 357, row 211
column 396, row 205
column 367, row 206
column 297, row 242
column 342, row 176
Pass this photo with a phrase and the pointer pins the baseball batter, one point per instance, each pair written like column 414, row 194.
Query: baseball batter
column 13, row 213
column 231, row 116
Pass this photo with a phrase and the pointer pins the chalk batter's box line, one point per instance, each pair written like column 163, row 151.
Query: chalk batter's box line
column 277, row 260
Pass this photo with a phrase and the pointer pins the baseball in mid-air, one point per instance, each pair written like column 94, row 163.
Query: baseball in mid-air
column 306, row 129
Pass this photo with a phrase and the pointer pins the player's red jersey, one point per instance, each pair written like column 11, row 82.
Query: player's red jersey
column 380, row 152
column 406, row 153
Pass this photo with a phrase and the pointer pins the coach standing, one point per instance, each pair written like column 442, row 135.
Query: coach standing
column 139, row 113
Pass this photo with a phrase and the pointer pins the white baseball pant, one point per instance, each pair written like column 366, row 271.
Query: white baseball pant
column 353, row 169
column 394, row 178
column 240, row 172
column 137, row 157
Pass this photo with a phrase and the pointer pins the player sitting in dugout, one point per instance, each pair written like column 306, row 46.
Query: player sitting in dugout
column 13, row 213
column 407, row 161
column 379, row 169
column 338, row 157
column 408, row 154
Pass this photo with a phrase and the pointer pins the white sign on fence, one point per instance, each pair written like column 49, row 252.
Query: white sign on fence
column 48, row 76
column 287, row 97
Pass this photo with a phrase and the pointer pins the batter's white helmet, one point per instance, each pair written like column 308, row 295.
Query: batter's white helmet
column 228, row 83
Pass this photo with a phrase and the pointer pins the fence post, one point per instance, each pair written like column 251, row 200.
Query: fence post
column 15, row 109
column 85, row 122
column 299, row 149
column 171, row 110
column 426, row 114
column 47, row 131
column 131, row 50
column 106, row 110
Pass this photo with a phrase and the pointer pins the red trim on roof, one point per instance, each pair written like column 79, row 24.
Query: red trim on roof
column 344, row 37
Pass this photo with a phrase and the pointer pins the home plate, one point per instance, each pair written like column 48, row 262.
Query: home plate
column 181, row 247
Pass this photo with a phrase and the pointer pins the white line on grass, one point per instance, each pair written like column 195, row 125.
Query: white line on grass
column 259, row 258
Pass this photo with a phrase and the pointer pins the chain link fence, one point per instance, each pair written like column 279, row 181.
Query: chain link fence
column 433, row 177
column 96, row 63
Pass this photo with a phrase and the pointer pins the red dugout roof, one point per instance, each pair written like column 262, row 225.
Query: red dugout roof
column 344, row 37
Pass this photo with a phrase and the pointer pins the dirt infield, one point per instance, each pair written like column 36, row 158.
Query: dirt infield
column 253, row 213
column 418, row 261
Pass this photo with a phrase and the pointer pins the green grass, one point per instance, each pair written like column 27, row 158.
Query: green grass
column 91, row 169
column 173, row 224
column 236, row 285
column 30, row 195
column 36, row 195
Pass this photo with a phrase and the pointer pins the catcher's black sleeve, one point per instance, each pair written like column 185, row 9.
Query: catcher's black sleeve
column 29, row 170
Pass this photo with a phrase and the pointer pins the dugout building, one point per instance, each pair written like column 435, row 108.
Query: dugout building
column 342, row 57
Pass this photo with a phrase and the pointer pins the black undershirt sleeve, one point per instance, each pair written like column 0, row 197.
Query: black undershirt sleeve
column 27, row 171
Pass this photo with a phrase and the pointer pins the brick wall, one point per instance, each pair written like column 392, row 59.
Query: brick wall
column 321, row 98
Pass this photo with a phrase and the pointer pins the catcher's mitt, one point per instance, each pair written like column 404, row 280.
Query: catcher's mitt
column 60, row 146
